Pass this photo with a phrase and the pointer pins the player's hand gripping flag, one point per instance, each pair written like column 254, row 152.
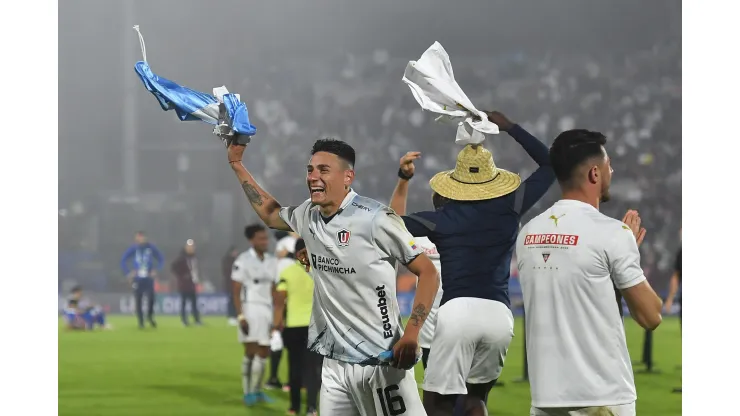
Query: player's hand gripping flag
column 222, row 109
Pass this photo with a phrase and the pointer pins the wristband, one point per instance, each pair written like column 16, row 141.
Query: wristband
column 403, row 175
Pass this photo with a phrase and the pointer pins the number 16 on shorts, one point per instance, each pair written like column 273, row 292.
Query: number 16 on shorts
column 390, row 402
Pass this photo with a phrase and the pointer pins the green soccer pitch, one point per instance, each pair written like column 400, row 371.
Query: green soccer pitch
column 197, row 371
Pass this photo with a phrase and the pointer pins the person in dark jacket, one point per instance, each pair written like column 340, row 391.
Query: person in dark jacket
column 185, row 270
column 478, row 209
column 227, row 262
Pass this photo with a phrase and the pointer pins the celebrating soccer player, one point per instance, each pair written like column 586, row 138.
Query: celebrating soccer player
column 354, row 244
column 570, row 258
column 474, row 226
column 253, row 275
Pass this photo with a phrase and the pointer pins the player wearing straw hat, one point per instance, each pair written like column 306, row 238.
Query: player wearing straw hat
column 478, row 207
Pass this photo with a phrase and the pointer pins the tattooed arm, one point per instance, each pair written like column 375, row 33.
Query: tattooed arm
column 263, row 203
column 426, row 290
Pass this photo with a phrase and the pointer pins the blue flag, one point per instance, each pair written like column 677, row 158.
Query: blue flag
column 194, row 105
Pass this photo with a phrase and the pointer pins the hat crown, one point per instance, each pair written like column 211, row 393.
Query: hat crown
column 474, row 165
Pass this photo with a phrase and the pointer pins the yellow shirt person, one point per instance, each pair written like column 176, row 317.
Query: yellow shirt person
column 297, row 286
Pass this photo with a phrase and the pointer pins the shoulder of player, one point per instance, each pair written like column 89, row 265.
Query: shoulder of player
column 609, row 224
column 533, row 223
column 366, row 206
column 243, row 257
column 303, row 207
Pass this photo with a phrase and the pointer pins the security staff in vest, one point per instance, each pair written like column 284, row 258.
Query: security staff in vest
column 296, row 286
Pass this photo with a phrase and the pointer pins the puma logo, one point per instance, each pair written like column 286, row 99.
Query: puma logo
column 554, row 218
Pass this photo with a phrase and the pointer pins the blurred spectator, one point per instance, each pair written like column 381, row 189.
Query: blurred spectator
column 186, row 271
column 81, row 314
column 296, row 285
column 143, row 255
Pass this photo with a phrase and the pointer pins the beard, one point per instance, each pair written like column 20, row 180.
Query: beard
column 605, row 197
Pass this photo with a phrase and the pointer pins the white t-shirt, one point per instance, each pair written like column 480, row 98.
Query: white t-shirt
column 570, row 258
column 355, row 314
column 427, row 331
column 256, row 276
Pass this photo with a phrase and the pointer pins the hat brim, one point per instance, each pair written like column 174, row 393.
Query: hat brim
column 504, row 183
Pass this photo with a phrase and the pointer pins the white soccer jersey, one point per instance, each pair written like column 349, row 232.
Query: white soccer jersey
column 355, row 314
column 570, row 258
column 256, row 276
column 427, row 331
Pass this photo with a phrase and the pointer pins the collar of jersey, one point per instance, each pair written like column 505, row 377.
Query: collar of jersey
column 252, row 252
column 575, row 204
column 347, row 199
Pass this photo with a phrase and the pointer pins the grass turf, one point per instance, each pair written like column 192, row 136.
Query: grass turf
column 197, row 371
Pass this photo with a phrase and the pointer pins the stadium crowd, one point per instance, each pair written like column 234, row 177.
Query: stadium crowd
column 635, row 99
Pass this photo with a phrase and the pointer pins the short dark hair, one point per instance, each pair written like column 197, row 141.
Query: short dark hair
column 142, row 233
column 438, row 200
column 251, row 230
column 76, row 288
column 335, row 147
column 299, row 245
column 572, row 148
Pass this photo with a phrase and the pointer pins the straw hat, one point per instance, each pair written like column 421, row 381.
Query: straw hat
column 475, row 177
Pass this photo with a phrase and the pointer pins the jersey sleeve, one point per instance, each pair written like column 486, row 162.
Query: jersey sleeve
column 239, row 271
column 295, row 216
column 624, row 260
column 283, row 281
column 392, row 237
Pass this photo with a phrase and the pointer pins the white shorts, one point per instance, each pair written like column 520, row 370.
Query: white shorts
column 619, row 410
column 355, row 390
column 259, row 317
column 470, row 342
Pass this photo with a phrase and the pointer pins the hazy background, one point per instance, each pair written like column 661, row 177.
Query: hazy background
column 307, row 69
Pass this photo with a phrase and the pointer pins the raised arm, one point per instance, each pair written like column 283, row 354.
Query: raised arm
column 537, row 184
column 405, row 173
column 262, row 202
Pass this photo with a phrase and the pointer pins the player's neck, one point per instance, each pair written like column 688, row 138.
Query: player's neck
column 260, row 254
column 331, row 209
column 582, row 196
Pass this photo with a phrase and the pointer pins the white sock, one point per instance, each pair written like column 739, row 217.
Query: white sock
column 258, row 373
column 246, row 375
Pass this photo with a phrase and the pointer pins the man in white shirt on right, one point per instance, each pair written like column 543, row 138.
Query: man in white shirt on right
column 570, row 259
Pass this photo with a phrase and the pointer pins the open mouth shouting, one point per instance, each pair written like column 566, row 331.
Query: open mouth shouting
column 317, row 191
